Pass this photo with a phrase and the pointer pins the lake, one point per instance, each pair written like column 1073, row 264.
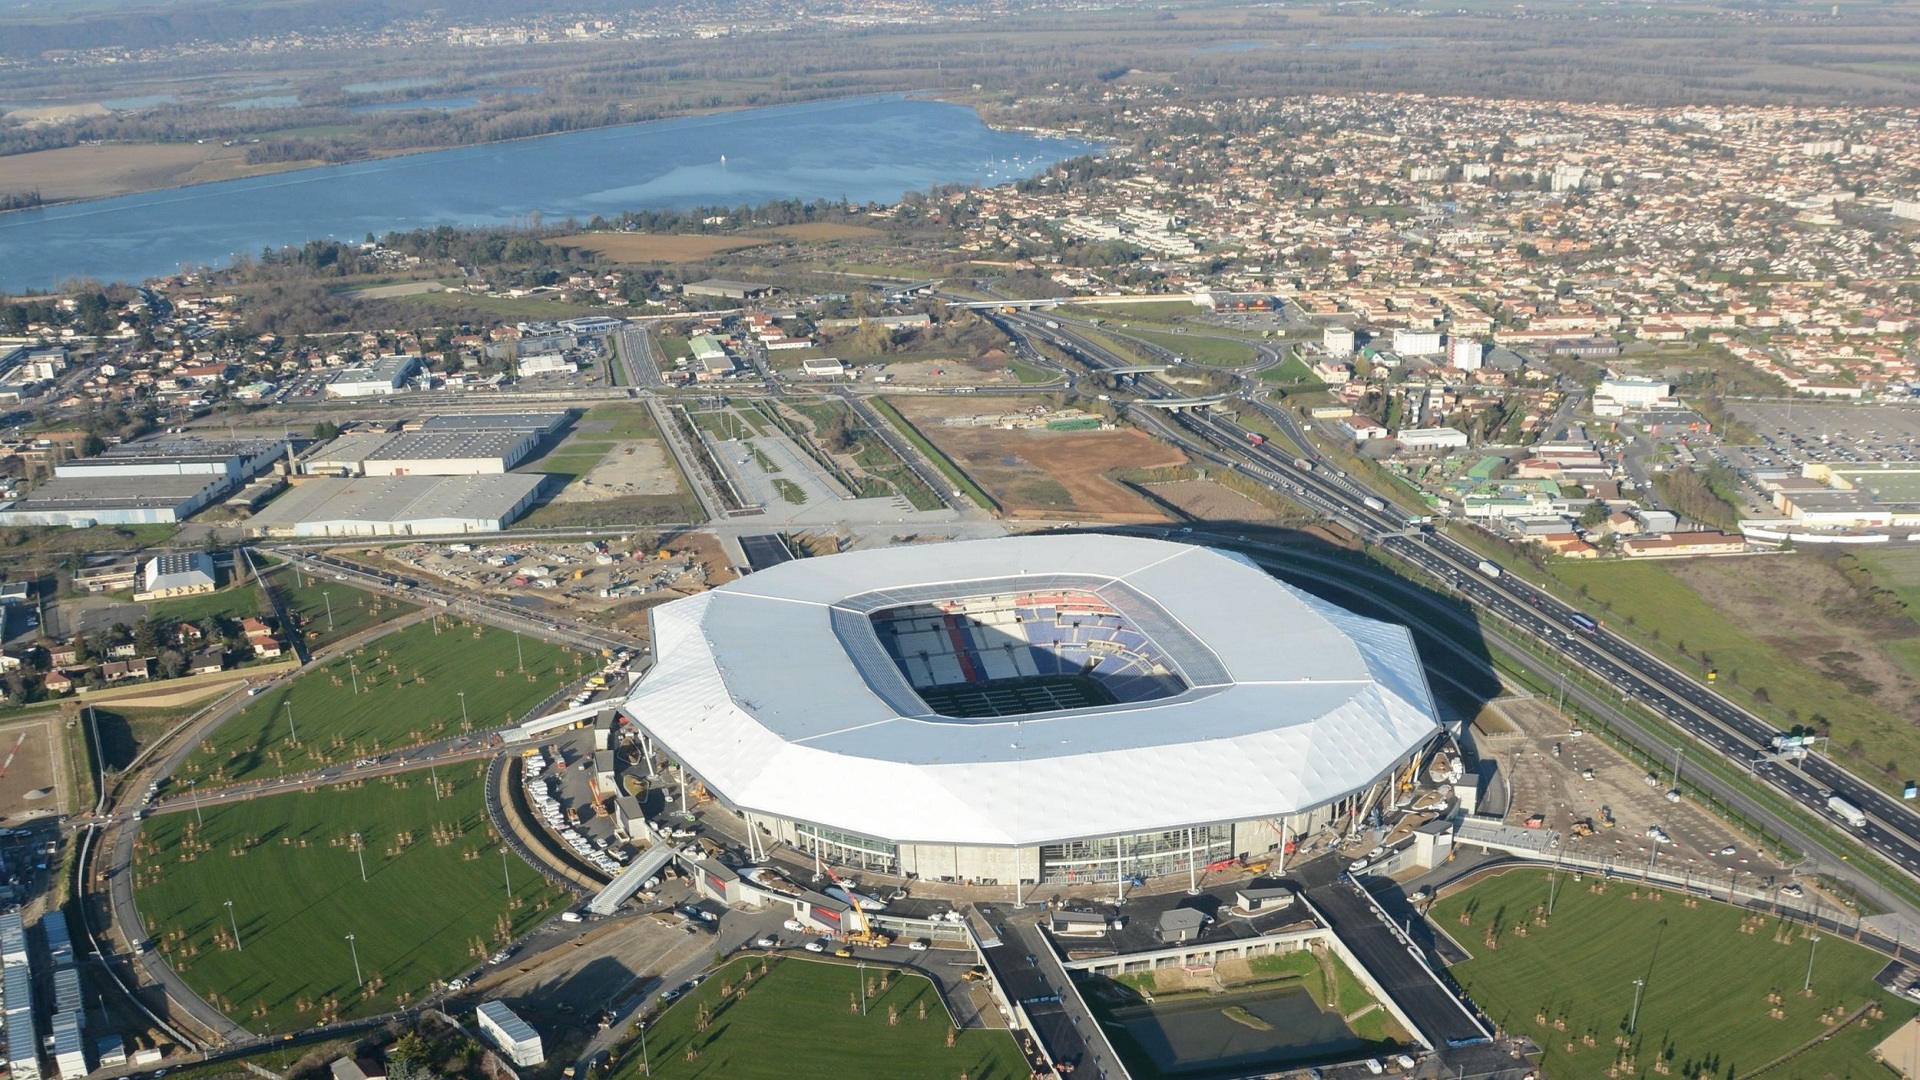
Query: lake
column 865, row 149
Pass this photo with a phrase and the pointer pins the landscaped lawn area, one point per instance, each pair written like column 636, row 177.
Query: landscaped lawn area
column 329, row 610
column 1199, row 348
column 796, row 1020
column 409, row 691
column 433, row 903
column 1705, row 1008
column 230, row 604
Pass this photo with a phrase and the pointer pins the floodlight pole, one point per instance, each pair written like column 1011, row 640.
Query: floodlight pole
column 646, row 1063
column 359, row 852
column 1811, row 950
column 519, row 656
column 861, row 965
column 292, row 735
column 434, row 769
column 328, row 597
column 463, row 708
column 1193, row 870
column 1633, row 1020
column 194, row 787
column 236, row 929
column 505, row 872
column 355, row 950
column 354, row 670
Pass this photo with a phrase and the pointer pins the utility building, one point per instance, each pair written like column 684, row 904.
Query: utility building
column 514, row 1036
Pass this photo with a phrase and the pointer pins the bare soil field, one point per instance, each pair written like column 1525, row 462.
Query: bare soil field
column 826, row 230
column 1801, row 606
column 636, row 467
column 1204, row 500
column 93, row 172
column 656, row 247
column 29, row 786
column 1055, row 475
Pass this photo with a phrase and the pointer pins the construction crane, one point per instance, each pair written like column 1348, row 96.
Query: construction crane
column 866, row 935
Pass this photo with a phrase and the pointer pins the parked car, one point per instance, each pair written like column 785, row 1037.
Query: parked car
column 818, row 946
column 919, row 945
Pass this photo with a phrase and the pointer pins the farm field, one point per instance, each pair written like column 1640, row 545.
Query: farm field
column 409, row 692
column 1051, row 474
column 795, row 1020
column 1769, row 625
column 433, row 903
column 1717, row 1001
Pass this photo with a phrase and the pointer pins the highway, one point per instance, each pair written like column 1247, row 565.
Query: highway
column 1713, row 722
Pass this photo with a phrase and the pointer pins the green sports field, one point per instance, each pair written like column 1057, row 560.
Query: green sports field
column 796, row 1020
column 409, row 692
column 1705, row 1008
column 433, row 905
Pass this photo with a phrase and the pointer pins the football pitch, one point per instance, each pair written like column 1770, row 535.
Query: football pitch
column 397, row 690
column 1719, row 988
column 799, row 1019
column 433, row 903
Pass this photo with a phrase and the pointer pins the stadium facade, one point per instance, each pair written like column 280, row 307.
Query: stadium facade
column 1044, row 709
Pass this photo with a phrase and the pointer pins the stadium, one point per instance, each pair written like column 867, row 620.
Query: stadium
column 1041, row 709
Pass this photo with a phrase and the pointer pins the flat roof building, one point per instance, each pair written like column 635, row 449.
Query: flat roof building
column 450, row 453
column 544, row 423
column 398, row 506
column 233, row 459
column 514, row 1036
column 727, row 290
column 377, row 378
column 115, row 500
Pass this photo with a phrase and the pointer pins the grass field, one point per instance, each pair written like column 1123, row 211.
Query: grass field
column 331, row 610
column 962, row 483
column 409, row 685
column 1753, row 672
column 433, row 903
column 231, row 604
column 1705, row 1007
column 619, row 421
column 1198, row 348
column 796, row 1020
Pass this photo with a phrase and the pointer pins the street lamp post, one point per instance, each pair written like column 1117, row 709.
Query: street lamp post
column 463, row 709
column 359, row 852
column 328, row 597
column 434, row 769
column 292, row 734
column 1812, row 948
column 519, row 656
column 354, row 670
column 355, row 950
column 194, row 787
column 1633, row 1019
column 236, row 928
column 646, row 1063
column 505, row 872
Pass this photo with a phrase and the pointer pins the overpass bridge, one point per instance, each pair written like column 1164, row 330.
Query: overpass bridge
column 1181, row 404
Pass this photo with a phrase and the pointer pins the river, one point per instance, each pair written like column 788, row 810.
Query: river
column 865, row 149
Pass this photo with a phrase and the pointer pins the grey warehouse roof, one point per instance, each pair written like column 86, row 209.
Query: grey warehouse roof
column 399, row 498
column 775, row 690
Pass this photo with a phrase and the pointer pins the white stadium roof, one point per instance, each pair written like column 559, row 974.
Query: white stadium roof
column 776, row 691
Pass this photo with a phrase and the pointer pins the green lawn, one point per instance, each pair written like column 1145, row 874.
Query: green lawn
column 796, row 1020
column 1294, row 374
column 962, row 483
column 327, row 610
column 230, row 604
column 433, row 903
column 409, row 683
column 619, row 421
column 1794, row 692
column 1705, row 1005
column 1198, row 348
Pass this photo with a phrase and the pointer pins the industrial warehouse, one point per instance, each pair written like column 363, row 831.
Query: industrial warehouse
column 153, row 481
column 398, row 505
column 1032, row 709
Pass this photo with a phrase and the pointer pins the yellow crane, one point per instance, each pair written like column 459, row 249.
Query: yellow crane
column 866, row 934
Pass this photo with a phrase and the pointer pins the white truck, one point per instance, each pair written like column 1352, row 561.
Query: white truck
column 1846, row 811
column 1489, row 569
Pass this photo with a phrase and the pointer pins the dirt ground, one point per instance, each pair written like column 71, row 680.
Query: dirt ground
column 1055, row 475
column 1204, row 500
column 578, row 982
column 1787, row 602
column 633, row 467
column 92, row 172
column 29, row 785
column 1557, row 787
column 656, row 247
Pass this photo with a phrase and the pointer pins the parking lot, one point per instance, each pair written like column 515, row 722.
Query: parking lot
column 1860, row 435
column 1589, row 779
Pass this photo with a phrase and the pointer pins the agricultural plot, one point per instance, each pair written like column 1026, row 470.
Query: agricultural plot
column 801, row 1018
column 1720, row 989
column 432, row 904
column 397, row 690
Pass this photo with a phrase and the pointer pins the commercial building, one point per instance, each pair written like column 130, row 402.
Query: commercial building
column 1128, row 665
column 1465, row 354
column 385, row 375
column 235, row 460
column 514, row 1036
column 1433, row 438
column 115, row 500
column 112, row 577
column 542, row 424
column 1417, row 342
column 398, row 506
column 551, row 363
column 449, row 453
column 727, row 290
column 1628, row 392
column 177, row 574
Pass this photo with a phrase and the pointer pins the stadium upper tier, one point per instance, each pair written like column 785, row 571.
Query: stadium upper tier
column 1026, row 690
